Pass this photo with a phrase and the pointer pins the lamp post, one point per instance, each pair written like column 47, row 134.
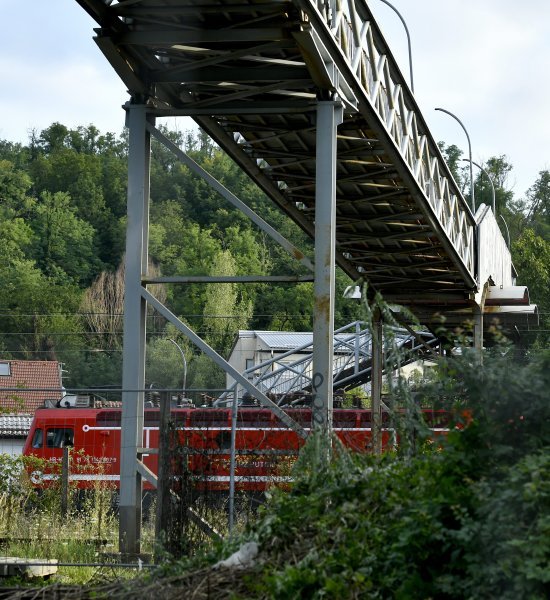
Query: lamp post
column 490, row 181
column 507, row 232
column 469, row 155
column 184, row 364
column 408, row 40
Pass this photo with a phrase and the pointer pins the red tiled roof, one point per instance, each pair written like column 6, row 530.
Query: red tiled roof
column 12, row 426
column 29, row 377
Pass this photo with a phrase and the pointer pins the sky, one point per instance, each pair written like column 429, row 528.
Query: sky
column 486, row 61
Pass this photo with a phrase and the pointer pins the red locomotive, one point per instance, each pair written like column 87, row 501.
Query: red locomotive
column 265, row 447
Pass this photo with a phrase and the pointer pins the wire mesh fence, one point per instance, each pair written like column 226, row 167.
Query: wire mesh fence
column 210, row 469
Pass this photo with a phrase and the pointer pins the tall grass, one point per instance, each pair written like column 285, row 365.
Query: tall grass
column 32, row 524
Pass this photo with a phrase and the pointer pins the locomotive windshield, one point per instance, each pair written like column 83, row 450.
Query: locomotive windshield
column 59, row 437
column 38, row 438
column 56, row 437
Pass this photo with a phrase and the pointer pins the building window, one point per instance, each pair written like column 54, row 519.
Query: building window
column 5, row 370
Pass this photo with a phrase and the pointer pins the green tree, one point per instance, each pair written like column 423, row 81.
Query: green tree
column 285, row 307
column 53, row 138
column 16, row 235
column 64, row 245
column 538, row 205
column 225, row 309
column 14, row 189
column 453, row 157
column 94, row 368
column 532, row 259
column 37, row 312
column 165, row 367
column 499, row 170
column 91, row 168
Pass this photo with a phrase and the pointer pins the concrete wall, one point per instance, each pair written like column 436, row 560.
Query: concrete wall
column 11, row 446
column 250, row 347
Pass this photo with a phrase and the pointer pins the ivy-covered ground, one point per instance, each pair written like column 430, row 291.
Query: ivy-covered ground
column 467, row 517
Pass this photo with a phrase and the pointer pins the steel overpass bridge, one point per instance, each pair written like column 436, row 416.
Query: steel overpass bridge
column 307, row 98
column 287, row 377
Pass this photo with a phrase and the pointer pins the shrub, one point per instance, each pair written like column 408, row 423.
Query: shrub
column 466, row 518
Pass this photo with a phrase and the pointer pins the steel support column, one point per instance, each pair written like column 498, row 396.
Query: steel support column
column 329, row 116
column 478, row 331
column 376, row 382
column 135, row 307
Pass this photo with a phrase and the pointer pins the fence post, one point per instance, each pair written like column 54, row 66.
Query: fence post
column 163, row 482
column 65, row 466
column 234, row 415
column 376, row 382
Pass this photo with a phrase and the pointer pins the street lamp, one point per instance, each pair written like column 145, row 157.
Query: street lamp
column 469, row 156
column 494, row 201
column 507, row 232
column 184, row 364
column 490, row 181
column 408, row 40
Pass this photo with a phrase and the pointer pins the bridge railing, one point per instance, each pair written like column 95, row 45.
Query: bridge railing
column 292, row 372
column 375, row 74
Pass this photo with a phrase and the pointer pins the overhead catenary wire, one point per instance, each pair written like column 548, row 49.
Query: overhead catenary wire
column 155, row 316
column 8, row 313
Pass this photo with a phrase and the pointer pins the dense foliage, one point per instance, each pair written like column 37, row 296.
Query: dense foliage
column 62, row 238
column 467, row 517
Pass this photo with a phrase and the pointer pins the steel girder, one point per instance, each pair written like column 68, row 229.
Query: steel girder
column 250, row 73
column 352, row 362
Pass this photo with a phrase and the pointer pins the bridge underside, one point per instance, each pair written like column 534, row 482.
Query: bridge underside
column 250, row 75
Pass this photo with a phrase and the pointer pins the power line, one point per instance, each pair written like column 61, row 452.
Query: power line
column 61, row 351
column 7, row 313
column 118, row 333
column 155, row 316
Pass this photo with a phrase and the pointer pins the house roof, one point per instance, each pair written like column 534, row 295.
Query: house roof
column 288, row 340
column 15, row 426
column 28, row 384
column 285, row 340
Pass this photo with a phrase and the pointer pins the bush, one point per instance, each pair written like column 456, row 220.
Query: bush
column 467, row 518
column 514, row 532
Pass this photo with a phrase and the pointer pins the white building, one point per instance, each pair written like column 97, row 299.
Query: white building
column 289, row 354
column 253, row 348
column 13, row 433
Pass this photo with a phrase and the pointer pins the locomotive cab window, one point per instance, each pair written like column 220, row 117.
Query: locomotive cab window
column 59, row 437
column 38, row 439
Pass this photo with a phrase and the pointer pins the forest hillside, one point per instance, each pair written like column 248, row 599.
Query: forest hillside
column 62, row 240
